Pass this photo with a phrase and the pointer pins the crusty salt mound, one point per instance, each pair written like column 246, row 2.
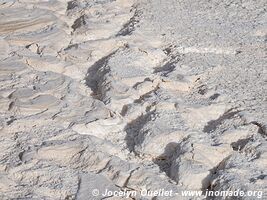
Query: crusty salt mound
column 132, row 94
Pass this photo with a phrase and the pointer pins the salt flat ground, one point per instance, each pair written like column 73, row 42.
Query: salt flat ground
column 132, row 94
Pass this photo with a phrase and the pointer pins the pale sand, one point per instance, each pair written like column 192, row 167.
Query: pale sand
column 135, row 94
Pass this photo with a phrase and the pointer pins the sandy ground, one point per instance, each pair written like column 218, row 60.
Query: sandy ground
column 132, row 94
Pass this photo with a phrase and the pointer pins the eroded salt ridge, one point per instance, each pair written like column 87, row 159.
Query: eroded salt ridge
column 115, row 94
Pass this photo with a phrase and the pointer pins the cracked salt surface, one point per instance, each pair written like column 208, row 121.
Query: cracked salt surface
column 132, row 95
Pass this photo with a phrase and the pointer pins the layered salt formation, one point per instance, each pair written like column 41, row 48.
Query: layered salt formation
column 116, row 94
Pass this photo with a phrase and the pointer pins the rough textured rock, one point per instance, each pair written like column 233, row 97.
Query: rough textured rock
column 116, row 94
